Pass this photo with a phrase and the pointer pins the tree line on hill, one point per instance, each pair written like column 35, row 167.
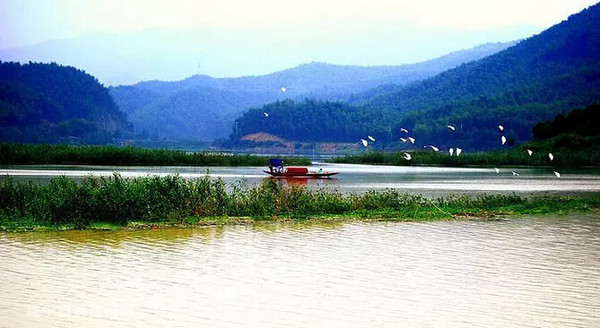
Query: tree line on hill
column 545, row 75
column 54, row 103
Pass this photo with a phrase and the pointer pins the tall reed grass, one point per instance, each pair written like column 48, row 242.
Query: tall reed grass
column 172, row 199
column 18, row 154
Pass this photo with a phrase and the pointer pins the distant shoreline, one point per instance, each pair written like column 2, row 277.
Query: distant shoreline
column 30, row 154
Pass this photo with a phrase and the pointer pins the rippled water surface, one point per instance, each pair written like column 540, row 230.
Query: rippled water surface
column 428, row 181
column 529, row 272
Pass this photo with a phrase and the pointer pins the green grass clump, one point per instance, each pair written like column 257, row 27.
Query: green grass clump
column 105, row 202
column 19, row 154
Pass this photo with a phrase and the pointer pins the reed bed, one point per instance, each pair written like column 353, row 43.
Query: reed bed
column 66, row 203
column 21, row 154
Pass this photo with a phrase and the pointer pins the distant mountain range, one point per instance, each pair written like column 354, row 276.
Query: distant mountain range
column 171, row 54
column 52, row 103
column 532, row 81
column 202, row 107
column 516, row 85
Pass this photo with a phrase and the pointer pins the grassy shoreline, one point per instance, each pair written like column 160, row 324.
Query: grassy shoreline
column 28, row 154
column 171, row 201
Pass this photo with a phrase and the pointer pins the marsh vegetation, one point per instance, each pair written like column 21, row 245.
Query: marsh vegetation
column 66, row 203
column 19, row 154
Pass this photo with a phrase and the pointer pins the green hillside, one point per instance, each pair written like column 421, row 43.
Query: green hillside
column 205, row 108
column 53, row 103
column 538, row 78
column 315, row 120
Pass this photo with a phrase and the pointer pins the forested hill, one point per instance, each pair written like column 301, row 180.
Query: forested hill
column 569, row 47
column 202, row 107
column 547, row 74
column 538, row 78
column 581, row 122
column 53, row 103
column 316, row 120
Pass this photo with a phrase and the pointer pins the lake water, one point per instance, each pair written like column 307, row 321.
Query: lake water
column 522, row 272
column 428, row 181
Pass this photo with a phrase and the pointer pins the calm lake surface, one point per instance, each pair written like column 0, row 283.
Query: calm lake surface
column 428, row 181
column 523, row 272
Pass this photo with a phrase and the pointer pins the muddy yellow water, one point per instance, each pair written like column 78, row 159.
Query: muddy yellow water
column 531, row 272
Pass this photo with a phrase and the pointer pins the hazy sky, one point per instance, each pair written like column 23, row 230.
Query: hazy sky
column 24, row 22
column 126, row 41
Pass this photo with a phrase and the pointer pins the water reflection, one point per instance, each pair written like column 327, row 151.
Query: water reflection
column 519, row 272
column 113, row 238
column 306, row 182
column 428, row 181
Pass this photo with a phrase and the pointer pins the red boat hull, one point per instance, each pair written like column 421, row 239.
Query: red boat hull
column 315, row 175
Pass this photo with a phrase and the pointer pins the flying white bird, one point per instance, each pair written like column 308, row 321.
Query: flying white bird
column 364, row 142
column 371, row 138
column 458, row 151
column 404, row 130
column 283, row 89
column 500, row 127
column 412, row 140
column 432, row 147
column 497, row 170
column 451, row 151
column 266, row 114
column 503, row 140
column 403, row 139
column 515, row 173
column 407, row 156
column 451, row 128
column 551, row 156
column 529, row 151
column 557, row 174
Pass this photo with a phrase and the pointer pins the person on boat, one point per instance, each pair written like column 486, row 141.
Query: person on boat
column 320, row 170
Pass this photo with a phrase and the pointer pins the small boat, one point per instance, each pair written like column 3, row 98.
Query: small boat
column 276, row 169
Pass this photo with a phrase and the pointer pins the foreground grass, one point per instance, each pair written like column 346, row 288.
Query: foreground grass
column 19, row 154
column 569, row 151
column 114, row 202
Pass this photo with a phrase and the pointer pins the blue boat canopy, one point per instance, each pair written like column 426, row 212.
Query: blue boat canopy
column 276, row 162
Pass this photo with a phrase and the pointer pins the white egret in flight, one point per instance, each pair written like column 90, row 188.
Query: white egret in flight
column 451, row 151
column 551, row 156
column 403, row 139
column 500, row 127
column 515, row 173
column 557, row 174
column 503, row 139
column 283, row 89
column 407, row 156
column 412, row 140
column 371, row 138
column 451, row 128
column 458, row 151
column 404, row 130
column 364, row 142
column 266, row 114
column 432, row 147
column 497, row 170
column 529, row 151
